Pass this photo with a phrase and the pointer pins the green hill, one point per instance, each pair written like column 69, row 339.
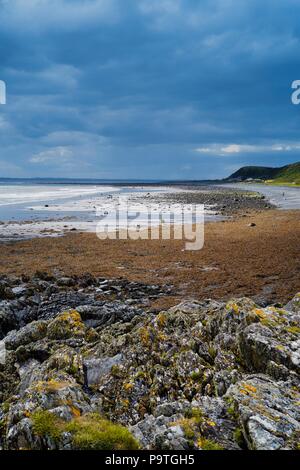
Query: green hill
column 289, row 174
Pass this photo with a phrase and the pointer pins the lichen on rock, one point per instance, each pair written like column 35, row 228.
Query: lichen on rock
column 100, row 375
column 66, row 325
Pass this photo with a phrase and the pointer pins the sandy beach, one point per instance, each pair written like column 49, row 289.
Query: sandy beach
column 50, row 210
column 250, row 247
column 259, row 261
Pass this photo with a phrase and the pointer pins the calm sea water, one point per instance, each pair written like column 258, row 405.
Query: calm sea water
column 283, row 197
column 18, row 197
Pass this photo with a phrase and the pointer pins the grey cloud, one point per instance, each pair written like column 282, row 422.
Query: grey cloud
column 132, row 87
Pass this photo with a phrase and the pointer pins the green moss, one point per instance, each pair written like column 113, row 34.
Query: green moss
column 2, row 426
column 208, row 444
column 231, row 411
column 191, row 423
column 195, row 414
column 5, row 407
column 188, row 426
column 91, row 432
column 295, row 330
column 91, row 335
column 239, row 437
column 46, row 424
column 212, row 352
column 231, row 408
column 140, row 375
column 116, row 371
column 196, row 376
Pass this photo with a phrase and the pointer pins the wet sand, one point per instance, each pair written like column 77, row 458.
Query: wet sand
column 58, row 217
column 260, row 261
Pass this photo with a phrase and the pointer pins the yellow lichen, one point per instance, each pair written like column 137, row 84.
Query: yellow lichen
column 259, row 312
column 210, row 423
column 161, row 320
column 232, row 306
column 295, row 330
column 66, row 325
column 50, row 386
column 128, row 386
column 75, row 411
column 248, row 389
column 145, row 336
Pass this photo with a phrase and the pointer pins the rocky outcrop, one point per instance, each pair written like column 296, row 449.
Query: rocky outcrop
column 202, row 375
column 268, row 412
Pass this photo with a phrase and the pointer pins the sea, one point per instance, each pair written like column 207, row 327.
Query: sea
column 46, row 207
column 20, row 199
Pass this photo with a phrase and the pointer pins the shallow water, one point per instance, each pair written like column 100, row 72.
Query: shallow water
column 283, row 197
column 16, row 200
column 30, row 210
column 49, row 210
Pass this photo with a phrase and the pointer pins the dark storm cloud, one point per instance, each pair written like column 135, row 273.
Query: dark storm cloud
column 148, row 88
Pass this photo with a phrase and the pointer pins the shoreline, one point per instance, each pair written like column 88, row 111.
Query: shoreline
column 57, row 218
column 256, row 256
column 244, row 230
column 124, row 329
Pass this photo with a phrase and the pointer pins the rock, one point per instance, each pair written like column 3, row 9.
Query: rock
column 267, row 412
column 294, row 305
column 26, row 372
column 40, row 350
column 2, row 352
column 59, row 395
column 181, row 425
column 28, row 334
column 19, row 291
column 8, row 320
column 67, row 359
column 101, row 314
column 200, row 376
column 66, row 281
column 270, row 340
column 157, row 433
column 261, row 438
column 66, row 325
column 95, row 369
column 6, row 292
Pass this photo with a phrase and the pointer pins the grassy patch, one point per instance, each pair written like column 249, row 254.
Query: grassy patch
column 91, row 432
column 47, row 424
column 208, row 444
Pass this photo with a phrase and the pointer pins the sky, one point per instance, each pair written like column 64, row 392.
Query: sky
column 149, row 89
